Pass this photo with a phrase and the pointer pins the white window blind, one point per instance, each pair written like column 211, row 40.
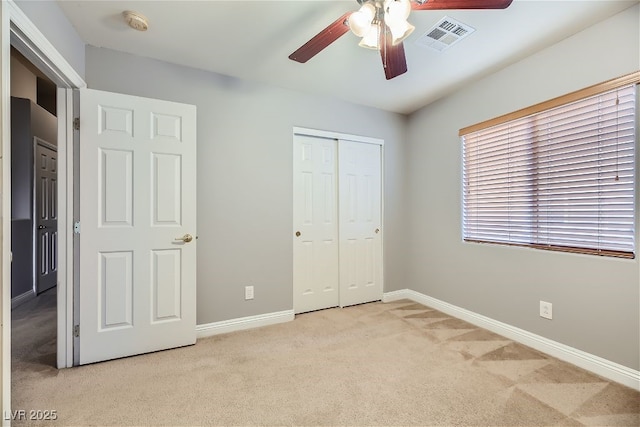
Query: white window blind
column 560, row 179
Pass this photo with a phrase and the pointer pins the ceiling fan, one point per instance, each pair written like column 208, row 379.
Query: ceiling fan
column 383, row 26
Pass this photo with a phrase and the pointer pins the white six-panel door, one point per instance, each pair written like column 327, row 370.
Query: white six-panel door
column 337, row 243
column 137, row 204
column 360, row 223
column 315, row 212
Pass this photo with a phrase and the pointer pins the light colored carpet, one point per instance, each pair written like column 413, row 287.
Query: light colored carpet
column 375, row 364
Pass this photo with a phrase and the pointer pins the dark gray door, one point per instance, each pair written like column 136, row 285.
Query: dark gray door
column 46, row 215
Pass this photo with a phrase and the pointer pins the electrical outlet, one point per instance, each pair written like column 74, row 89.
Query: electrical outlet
column 546, row 310
column 248, row 292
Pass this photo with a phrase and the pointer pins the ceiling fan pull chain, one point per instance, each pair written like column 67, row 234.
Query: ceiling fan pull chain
column 386, row 51
column 382, row 36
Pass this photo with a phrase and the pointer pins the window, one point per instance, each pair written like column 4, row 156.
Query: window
column 560, row 178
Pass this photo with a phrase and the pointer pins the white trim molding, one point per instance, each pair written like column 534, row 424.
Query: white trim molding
column 598, row 365
column 18, row 31
column 28, row 39
column 5, row 206
column 242, row 323
column 336, row 135
column 65, row 234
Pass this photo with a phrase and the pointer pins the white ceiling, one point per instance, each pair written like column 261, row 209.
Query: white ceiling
column 252, row 40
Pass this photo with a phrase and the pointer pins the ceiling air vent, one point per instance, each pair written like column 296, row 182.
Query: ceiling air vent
column 444, row 34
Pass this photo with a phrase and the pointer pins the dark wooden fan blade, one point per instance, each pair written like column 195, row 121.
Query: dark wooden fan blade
column 323, row 39
column 461, row 4
column 393, row 58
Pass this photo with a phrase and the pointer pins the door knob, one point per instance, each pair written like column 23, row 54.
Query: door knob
column 377, row 230
column 298, row 234
column 186, row 238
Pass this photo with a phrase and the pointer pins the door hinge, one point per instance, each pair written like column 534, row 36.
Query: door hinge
column 76, row 331
column 76, row 227
column 76, row 123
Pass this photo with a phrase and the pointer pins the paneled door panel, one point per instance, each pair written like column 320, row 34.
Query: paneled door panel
column 116, row 290
column 167, row 189
column 46, row 220
column 315, row 234
column 137, row 205
column 166, row 285
column 115, row 189
column 360, row 222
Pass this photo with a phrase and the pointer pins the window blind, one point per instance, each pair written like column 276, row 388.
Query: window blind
column 560, row 179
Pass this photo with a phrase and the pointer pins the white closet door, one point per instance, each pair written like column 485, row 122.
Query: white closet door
column 315, row 224
column 360, row 222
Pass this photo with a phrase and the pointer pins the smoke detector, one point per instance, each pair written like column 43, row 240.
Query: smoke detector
column 135, row 20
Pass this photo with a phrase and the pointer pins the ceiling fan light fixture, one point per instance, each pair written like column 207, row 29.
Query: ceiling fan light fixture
column 360, row 21
column 395, row 16
column 397, row 9
column 400, row 31
column 371, row 40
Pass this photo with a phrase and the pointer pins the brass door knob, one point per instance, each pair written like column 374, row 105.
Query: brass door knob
column 298, row 234
column 186, row 238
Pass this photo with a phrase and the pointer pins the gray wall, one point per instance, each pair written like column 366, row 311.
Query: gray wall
column 595, row 299
column 245, row 143
column 23, row 81
column 27, row 121
column 21, row 159
column 48, row 17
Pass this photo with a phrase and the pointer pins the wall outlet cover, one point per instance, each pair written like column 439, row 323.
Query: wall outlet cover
column 546, row 310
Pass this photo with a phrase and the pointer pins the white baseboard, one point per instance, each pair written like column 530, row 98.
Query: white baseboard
column 243, row 323
column 22, row 298
column 603, row 367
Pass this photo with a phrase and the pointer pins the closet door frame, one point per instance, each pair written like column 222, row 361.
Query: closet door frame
column 354, row 138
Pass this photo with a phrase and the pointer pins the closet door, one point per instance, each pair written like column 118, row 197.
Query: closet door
column 360, row 199
column 315, row 224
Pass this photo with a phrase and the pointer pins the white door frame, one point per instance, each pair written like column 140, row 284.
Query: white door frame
column 17, row 30
column 355, row 138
